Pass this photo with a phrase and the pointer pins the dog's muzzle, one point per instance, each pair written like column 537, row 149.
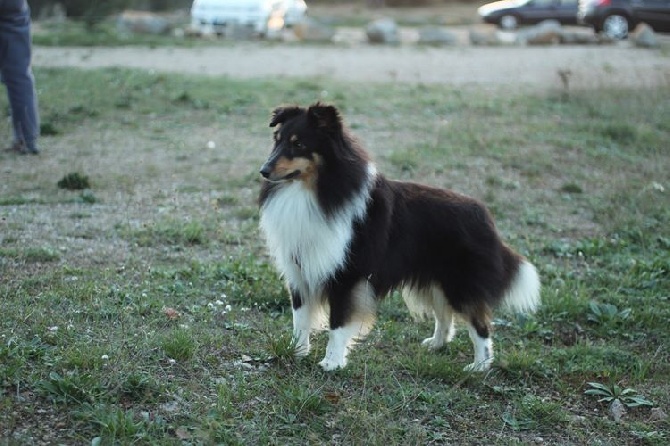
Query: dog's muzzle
column 268, row 167
column 266, row 170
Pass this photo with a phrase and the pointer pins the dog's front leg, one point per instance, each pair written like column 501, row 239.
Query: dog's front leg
column 339, row 342
column 302, row 323
column 352, row 314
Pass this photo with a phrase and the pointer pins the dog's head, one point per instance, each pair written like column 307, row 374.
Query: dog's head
column 300, row 138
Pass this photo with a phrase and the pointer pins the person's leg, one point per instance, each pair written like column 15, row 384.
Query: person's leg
column 15, row 59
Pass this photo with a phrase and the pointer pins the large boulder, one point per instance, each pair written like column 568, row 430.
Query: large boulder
column 310, row 30
column 486, row 35
column 578, row 37
column 435, row 35
column 643, row 36
column 548, row 32
column 142, row 22
column 383, row 31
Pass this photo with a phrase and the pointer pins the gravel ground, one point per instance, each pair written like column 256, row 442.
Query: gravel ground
column 514, row 67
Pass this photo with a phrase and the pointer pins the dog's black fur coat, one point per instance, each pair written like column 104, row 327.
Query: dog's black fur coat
column 410, row 235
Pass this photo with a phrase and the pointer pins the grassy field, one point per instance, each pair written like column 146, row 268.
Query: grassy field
column 142, row 309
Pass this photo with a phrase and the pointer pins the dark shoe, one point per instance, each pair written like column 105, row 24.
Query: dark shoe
column 21, row 149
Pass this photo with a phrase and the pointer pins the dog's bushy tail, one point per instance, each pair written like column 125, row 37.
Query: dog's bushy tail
column 523, row 295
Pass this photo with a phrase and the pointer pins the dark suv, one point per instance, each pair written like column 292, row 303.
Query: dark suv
column 616, row 17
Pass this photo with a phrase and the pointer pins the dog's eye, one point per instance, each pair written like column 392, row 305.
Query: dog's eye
column 299, row 145
column 295, row 142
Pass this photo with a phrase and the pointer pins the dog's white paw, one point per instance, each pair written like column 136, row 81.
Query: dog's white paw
column 433, row 343
column 481, row 366
column 329, row 365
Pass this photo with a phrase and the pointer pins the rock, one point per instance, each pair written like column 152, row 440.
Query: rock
column 484, row 36
column 657, row 414
column 310, row 30
column 434, row 35
column 617, row 410
column 578, row 419
column 170, row 406
column 141, row 22
column 547, row 32
column 643, row 36
column 383, row 31
column 578, row 38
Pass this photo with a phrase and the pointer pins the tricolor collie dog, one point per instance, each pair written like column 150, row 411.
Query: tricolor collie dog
column 343, row 236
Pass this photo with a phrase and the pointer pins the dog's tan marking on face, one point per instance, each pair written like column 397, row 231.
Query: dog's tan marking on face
column 284, row 167
column 308, row 168
column 311, row 172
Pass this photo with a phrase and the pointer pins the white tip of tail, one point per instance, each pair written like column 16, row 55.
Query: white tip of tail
column 524, row 293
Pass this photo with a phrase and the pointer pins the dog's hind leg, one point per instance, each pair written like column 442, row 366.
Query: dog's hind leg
column 444, row 321
column 352, row 315
column 479, row 328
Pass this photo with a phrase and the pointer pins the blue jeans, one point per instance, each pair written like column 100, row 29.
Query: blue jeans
column 16, row 72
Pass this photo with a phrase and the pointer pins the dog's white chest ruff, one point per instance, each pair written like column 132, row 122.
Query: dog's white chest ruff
column 308, row 246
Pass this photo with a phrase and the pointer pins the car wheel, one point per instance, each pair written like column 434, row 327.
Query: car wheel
column 509, row 22
column 615, row 26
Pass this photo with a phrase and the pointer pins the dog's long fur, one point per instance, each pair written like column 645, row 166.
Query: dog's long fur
column 343, row 236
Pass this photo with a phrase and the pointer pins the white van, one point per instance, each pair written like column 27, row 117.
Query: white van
column 263, row 17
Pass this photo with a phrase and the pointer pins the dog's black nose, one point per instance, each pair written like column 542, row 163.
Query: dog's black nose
column 265, row 171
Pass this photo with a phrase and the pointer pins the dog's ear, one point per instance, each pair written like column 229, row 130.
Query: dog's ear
column 282, row 114
column 325, row 116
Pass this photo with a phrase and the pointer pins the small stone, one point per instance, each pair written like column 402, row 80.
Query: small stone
column 383, row 30
column 643, row 36
column 657, row 414
column 547, row 32
column 617, row 410
column 578, row 419
column 310, row 30
column 171, row 406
